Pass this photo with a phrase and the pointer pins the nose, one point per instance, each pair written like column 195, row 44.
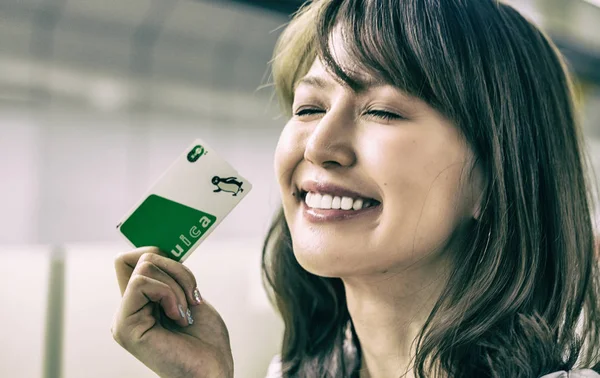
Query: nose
column 331, row 141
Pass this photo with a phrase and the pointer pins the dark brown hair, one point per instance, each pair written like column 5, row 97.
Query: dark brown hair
column 528, row 276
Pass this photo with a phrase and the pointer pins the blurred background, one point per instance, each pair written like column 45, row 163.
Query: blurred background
column 97, row 98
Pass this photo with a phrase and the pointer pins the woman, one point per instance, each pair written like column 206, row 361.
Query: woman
column 436, row 215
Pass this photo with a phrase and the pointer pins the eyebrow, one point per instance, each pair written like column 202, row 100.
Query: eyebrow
column 314, row 81
column 321, row 83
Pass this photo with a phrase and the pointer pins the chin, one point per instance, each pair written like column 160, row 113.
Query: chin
column 329, row 262
column 323, row 263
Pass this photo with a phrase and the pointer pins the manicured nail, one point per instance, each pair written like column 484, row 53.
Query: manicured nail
column 189, row 317
column 197, row 296
column 181, row 312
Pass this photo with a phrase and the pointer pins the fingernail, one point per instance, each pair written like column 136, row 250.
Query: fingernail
column 197, row 296
column 189, row 317
column 181, row 312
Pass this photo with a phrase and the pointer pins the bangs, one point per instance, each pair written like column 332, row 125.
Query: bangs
column 388, row 41
column 377, row 41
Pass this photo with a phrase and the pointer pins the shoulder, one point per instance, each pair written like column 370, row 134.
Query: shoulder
column 274, row 368
column 274, row 371
column 585, row 373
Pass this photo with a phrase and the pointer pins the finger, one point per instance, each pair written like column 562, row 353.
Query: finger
column 148, row 269
column 143, row 290
column 125, row 263
column 179, row 272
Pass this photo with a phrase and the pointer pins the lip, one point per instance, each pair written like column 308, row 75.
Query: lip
column 333, row 189
column 334, row 215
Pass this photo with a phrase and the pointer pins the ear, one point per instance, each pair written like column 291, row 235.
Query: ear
column 478, row 189
column 477, row 210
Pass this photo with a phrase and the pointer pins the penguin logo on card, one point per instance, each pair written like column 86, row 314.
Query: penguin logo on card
column 229, row 185
column 196, row 153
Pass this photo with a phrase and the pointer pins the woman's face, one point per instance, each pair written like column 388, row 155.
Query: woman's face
column 371, row 181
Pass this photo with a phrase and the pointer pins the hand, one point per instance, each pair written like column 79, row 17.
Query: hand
column 153, row 322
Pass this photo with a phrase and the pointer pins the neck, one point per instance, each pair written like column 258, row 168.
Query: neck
column 388, row 311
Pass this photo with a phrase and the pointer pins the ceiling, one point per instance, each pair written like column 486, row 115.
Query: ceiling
column 60, row 49
column 149, row 53
column 282, row 6
column 585, row 59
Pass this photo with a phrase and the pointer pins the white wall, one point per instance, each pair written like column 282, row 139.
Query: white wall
column 23, row 294
column 71, row 177
column 228, row 275
column 86, row 126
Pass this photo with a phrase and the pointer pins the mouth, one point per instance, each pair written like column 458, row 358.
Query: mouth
column 326, row 202
column 330, row 201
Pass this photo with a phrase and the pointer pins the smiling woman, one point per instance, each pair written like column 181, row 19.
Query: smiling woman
column 436, row 219
column 435, row 215
column 398, row 176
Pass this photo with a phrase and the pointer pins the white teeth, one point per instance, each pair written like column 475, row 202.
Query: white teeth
column 315, row 201
column 308, row 197
column 326, row 202
column 336, row 203
column 346, row 203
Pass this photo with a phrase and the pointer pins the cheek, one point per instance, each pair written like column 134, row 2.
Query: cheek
column 287, row 153
column 421, row 182
column 419, row 167
column 441, row 209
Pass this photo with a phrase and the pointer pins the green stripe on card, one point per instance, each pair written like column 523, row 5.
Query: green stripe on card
column 168, row 225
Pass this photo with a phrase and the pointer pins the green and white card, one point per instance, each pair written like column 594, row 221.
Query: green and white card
column 186, row 203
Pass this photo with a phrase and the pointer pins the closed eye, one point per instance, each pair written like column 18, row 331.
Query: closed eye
column 308, row 111
column 381, row 114
column 384, row 115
